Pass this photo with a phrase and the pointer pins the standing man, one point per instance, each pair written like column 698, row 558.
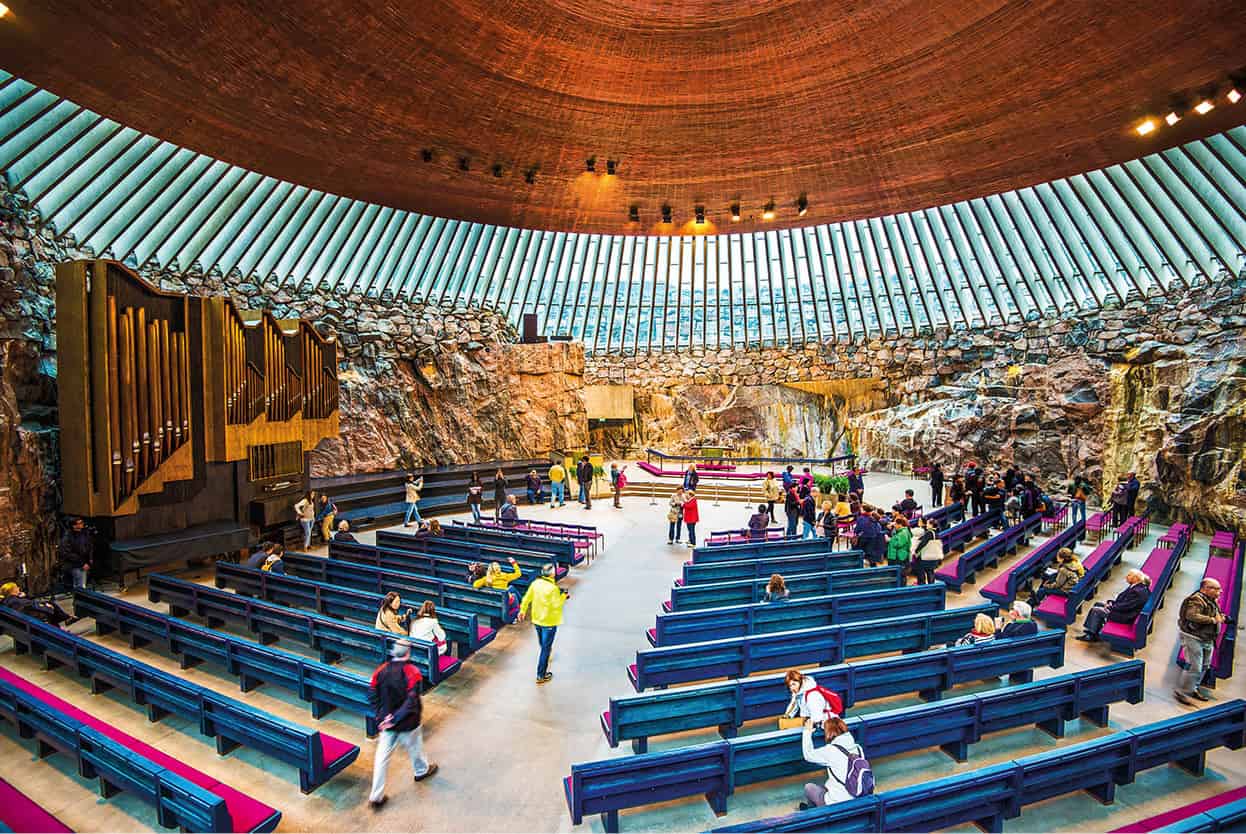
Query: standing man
column 544, row 599
column 1078, row 493
column 77, row 552
column 557, row 485
column 936, row 485
column 508, row 516
column 584, row 475
column 412, row 497
column 395, row 698
column 1132, row 487
column 616, row 483
column 1199, row 623
column 691, row 478
column 788, row 480
column 533, row 483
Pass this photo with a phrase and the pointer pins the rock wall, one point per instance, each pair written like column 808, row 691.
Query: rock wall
column 1156, row 385
column 419, row 384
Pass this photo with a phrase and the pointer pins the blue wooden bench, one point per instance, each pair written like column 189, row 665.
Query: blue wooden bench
column 739, row 657
column 560, row 552
column 1059, row 610
column 461, row 596
column 321, row 686
column 761, row 550
column 742, row 591
column 988, row 796
column 333, row 639
column 1005, row 585
column 946, row 515
column 950, row 725
column 182, row 796
column 963, row 568
column 956, row 537
column 763, row 568
column 809, row 612
column 426, row 564
column 728, row 705
column 1226, row 811
column 1161, row 565
column 318, row 756
column 463, row 629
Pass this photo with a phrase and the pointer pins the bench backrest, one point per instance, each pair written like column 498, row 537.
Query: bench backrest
column 742, row 656
column 478, row 551
column 741, row 591
column 757, row 568
column 955, row 538
column 1032, row 564
column 510, row 540
column 761, row 550
column 432, row 564
column 808, row 612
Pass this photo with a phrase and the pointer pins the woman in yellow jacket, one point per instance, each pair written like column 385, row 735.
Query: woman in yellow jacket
column 544, row 599
column 494, row 578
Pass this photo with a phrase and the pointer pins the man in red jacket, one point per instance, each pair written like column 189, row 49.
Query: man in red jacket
column 395, row 696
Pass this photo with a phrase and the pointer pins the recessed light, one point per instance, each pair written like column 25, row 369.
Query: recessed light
column 3, row 10
column 666, row 214
column 1172, row 118
column 735, row 212
column 1204, row 107
column 1234, row 95
column 700, row 215
column 767, row 213
column 590, row 164
column 1145, row 127
column 802, row 205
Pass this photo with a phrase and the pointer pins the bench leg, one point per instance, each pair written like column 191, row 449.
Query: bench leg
column 1105, row 793
column 718, row 802
column 266, row 638
column 214, row 622
column 640, row 745
column 930, row 694
column 329, row 656
column 246, row 682
column 20, row 648
column 1097, row 716
column 98, row 686
column 176, row 610
column 1023, row 676
column 1054, row 727
column 43, row 749
column 137, row 642
column 225, row 746
column 155, row 713
column 1194, row 765
column 107, row 789
column 610, row 822
column 728, row 730
column 50, row 663
column 992, row 824
column 958, row 750
column 188, row 662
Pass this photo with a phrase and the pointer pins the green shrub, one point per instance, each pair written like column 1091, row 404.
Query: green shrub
column 831, row 483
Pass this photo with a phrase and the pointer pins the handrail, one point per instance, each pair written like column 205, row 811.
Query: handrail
column 651, row 453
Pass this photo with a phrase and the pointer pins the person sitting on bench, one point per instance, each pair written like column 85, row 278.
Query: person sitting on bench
column 11, row 596
column 1067, row 574
column 343, row 533
column 1019, row 623
column 1124, row 609
column 257, row 559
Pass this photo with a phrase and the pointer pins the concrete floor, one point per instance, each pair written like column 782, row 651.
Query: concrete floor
column 505, row 744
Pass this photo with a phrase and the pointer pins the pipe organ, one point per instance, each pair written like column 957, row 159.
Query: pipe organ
column 181, row 411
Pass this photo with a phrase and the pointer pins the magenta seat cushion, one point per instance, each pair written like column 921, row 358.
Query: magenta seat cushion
column 446, row 662
column 22, row 814
column 667, row 606
column 605, row 720
column 1053, row 604
column 483, row 633
column 335, row 748
column 1126, row 631
column 245, row 813
column 1167, row 818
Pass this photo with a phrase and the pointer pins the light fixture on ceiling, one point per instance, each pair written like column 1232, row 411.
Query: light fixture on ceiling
column 1234, row 95
column 611, row 166
column 1204, row 106
column 633, row 213
column 700, row 215
column 465, row 163
column 1145, row 126
column 497, row 169
column 735, row 212
column 802, row 205
column 1172, row 118
column 426, row 154
column 4, row 10
column 767, row 212
column 529, row 176
column 666, row 213
column 590, row 164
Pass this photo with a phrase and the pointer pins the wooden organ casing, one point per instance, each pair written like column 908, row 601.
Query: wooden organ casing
column 182, row 411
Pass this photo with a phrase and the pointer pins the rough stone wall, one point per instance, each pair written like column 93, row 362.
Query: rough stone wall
column 419, row 384
column 1156, row 385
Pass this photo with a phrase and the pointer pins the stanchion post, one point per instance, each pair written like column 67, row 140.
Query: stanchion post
column 716, row 485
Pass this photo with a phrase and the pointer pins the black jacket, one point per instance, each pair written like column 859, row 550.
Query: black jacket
column 936, row 477
column 395, row 691
column 344, row 536
column 77, row 548
column 1128, row 603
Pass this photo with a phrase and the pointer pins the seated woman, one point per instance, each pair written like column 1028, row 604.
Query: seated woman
column 426, row 627
column 11, row 596
column 494, row 578
column 1124, row 609
column 834, row 757
column 390, row 618
column 1069, row 571
column 776, row 590
column 759, row 523
column 433, row 528
column 810, row 701
column 827, row 525
column 983, row 631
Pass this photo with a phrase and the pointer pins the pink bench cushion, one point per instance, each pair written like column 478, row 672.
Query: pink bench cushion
column 1167, row 818
column 446, row 662
column 1054, row 604
column 245, row 813
column 484, row 633
column 606, row 721
column 653, row 635
column 21, row 813
column 335, row 748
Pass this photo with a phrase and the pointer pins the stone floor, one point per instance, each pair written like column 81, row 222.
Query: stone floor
column 504, row 744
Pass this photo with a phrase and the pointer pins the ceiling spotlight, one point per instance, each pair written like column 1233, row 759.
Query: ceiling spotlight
column 633, row 213
column 529, row 175
column 611, row 166
column 3, row 10
column 802, row 205
column 1145, row 127
column 666, row 213
column 700, row 214
column 426, row 154
column 1234, row 95
column 591, row 164
column 465, row 164
column 735, row 212
column 497, row 169
column 1172, row 118
column 1204, row 107
column 767, row 212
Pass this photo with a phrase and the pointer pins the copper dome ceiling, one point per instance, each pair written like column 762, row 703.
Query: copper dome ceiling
column 867, row 107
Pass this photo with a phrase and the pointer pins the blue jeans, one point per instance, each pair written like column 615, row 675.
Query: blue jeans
column 413, row 509
column 545, row 635
column 1077, row 509
column 675, row 531
column 1198, row 656
column 791, row 524
column 475, row 512
column 80, row 577
column 583, row 492
column 809, row 531
column 534, row 496
column 692, row 532
column 556, row 493
column 307, row 531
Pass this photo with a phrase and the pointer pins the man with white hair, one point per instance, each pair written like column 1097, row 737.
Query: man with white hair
column 1019, row 623
column 1124, row 609
column 1199, row 623
column 395, row 698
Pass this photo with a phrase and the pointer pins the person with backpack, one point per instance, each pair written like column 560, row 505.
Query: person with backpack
column 927, row 551
column 395, row 698
column 848, row 772
column 1120, row 503
column 809, row 699
column 617, row 481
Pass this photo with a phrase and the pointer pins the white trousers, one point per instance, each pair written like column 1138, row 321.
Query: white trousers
column 412, row 740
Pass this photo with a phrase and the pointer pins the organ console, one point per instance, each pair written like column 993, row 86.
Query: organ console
column 185, row 422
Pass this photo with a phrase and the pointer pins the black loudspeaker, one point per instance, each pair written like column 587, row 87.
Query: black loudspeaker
column 529, row 328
